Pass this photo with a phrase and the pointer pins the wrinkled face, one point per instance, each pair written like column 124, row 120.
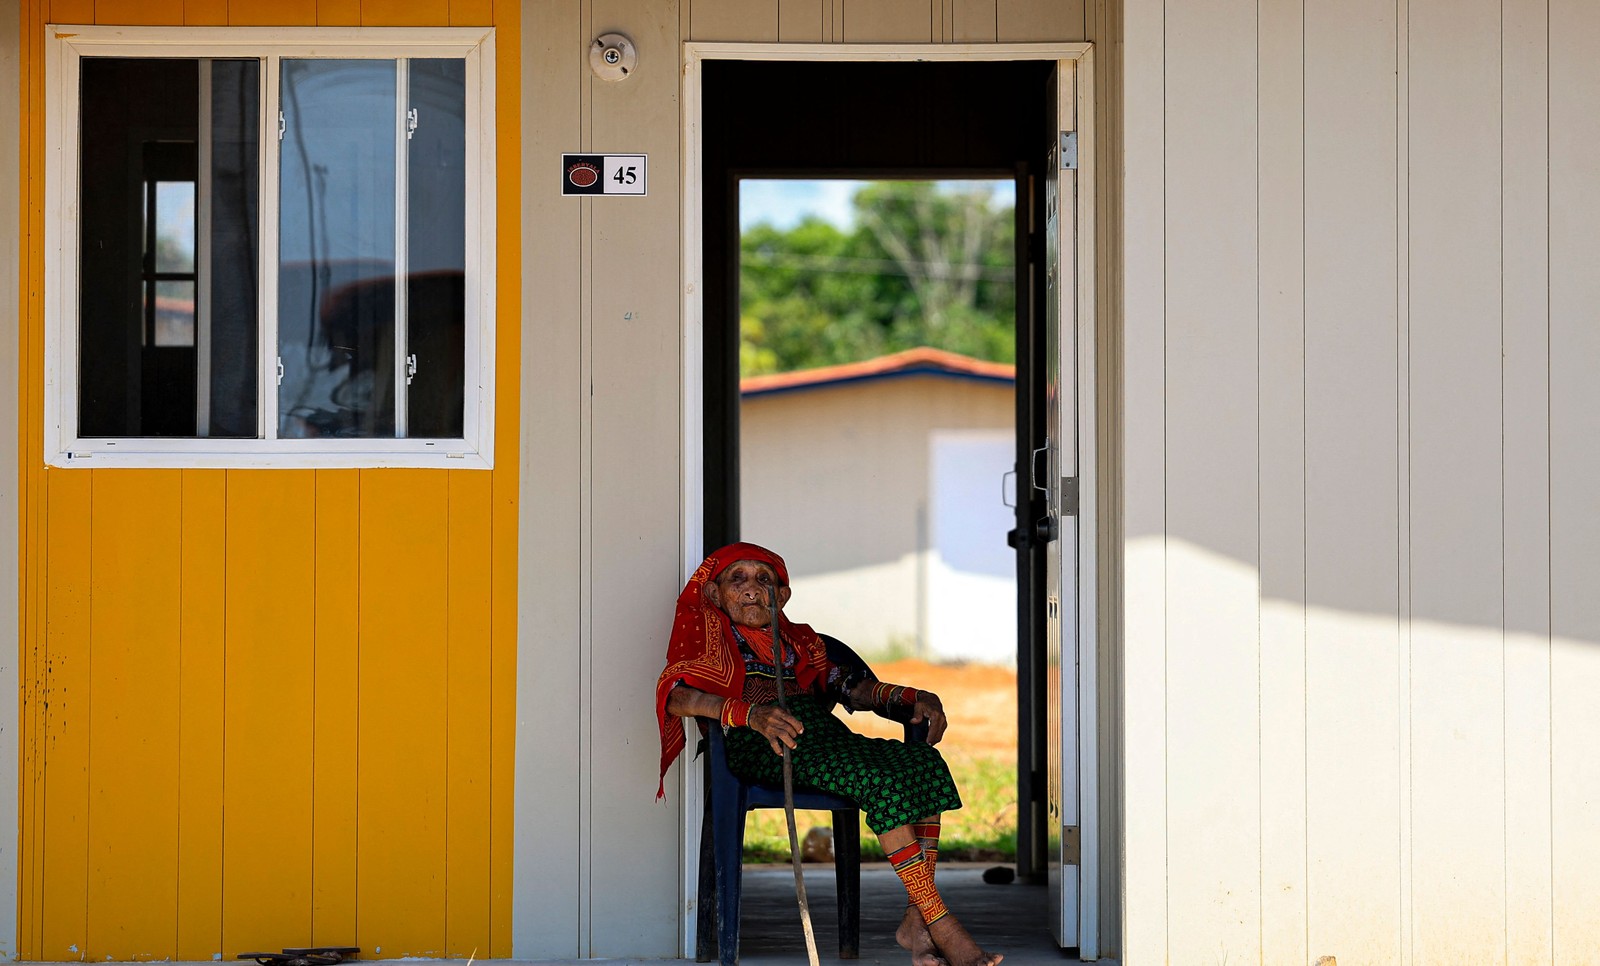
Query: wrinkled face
column 742, row 591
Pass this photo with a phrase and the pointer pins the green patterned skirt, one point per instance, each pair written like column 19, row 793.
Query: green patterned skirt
column 894, row 783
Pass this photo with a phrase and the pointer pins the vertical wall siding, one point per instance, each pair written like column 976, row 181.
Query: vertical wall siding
column 1360, row 426
column 1454, row 399
column 1525, row 471
column 602, row 424
column 886, row 21
column 1211, row 454
column 1281, row 339
column 11, row 570
column 1574, row 475
column 267, row 708
column 548, row 773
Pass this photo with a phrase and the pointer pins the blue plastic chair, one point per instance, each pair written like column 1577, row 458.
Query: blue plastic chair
column 722, row 841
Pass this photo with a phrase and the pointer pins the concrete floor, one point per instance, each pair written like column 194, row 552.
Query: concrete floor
column 1011, row 919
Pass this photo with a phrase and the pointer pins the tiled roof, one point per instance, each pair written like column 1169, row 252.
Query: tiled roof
column 921, row 361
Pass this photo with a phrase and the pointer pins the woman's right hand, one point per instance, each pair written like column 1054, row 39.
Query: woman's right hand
column 776, row 725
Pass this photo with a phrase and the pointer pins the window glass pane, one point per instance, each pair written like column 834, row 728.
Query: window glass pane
column 174, row 226
column 436, row 242
column 230, row 319
column 336, row 246
column 140, row 311
column 174, row 314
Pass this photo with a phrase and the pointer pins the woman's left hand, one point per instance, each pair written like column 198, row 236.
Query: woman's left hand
column 930, row 709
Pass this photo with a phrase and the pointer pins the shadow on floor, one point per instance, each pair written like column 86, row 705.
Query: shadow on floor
column 1011, row 919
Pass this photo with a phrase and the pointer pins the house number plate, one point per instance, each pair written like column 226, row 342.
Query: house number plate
column 603, row 174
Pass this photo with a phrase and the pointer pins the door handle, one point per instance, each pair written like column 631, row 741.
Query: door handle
column 1033, row 467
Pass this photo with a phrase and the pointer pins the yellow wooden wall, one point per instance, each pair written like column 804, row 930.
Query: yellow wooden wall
column 267, row 708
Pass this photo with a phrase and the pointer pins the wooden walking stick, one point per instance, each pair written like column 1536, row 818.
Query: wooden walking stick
column 788, row 787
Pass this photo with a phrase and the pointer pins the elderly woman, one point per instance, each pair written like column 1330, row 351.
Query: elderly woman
column 721, row 667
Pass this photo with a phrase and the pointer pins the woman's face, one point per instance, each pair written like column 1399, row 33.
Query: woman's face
column 742, row 591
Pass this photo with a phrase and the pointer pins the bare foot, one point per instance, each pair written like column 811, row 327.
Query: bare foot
column 913, row 935
column 958, row 946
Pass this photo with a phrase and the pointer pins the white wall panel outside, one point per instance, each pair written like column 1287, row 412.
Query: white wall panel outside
column 1574, row 401
column 1525, row 125
column 1213, row 549
column 1360, row 339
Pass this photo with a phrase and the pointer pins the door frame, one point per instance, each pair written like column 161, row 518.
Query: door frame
column 1076, row 58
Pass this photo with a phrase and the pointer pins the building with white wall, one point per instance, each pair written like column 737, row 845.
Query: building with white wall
column 1335, row 616
column 910, row 456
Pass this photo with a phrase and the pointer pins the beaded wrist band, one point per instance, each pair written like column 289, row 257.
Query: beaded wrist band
column 889, row 695
column 735, row 713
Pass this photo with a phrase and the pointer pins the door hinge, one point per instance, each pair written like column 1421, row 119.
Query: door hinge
column 1069, row 496
column 411, row 123
column 1069, row 150
column 283, row 125
column 411, row 368
column 1071, row 851
column 280, row 370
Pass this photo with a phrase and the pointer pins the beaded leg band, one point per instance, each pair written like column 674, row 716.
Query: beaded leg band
column 913, row 869
column 927, row 834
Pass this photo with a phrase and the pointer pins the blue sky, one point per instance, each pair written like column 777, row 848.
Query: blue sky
column 784, row 202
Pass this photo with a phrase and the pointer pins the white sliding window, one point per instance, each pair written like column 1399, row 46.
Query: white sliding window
column 276, row 248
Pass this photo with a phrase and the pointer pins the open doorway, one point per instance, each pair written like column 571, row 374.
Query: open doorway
column 931, row 119
column 877, row 421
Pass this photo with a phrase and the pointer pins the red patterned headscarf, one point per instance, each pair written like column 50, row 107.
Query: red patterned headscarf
column 702, row 654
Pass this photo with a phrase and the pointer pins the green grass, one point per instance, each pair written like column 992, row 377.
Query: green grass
column 984, row 829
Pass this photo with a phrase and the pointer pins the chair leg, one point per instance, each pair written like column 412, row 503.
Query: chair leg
column 705, row 936
column 847, row 878
column 729, row 859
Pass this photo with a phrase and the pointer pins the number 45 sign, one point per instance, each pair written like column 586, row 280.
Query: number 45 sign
column 603, row 174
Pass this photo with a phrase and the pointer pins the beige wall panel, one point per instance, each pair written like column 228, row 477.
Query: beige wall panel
column 1352, row 512
column 755, row 21
column 890, row 21
column 1457, row 693
column 1280, row 171
column 1143, row 723
column 802, row 21
column 1525, row 468
column 1039, row 20
column 1212, row 592
column 635, row 347
column 1574, row 474
column 1407, row 817
column 549, row 708
column 1104, row 28
column 974, row 21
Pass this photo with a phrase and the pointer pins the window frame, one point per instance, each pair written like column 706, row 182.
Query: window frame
column 66, row 46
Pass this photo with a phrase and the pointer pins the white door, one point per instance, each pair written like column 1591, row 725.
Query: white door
column 1068, row 635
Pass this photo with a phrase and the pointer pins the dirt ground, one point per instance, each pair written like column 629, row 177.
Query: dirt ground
column 979, row 699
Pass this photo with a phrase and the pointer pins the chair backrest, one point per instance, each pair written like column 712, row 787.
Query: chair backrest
column 841, row 655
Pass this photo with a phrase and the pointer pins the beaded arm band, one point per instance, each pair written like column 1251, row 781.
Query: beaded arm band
column 735, row 713
column 886, row 696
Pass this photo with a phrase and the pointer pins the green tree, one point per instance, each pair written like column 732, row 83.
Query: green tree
column 925, row 264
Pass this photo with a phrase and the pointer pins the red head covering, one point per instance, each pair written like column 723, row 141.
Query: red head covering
column 702, row 654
